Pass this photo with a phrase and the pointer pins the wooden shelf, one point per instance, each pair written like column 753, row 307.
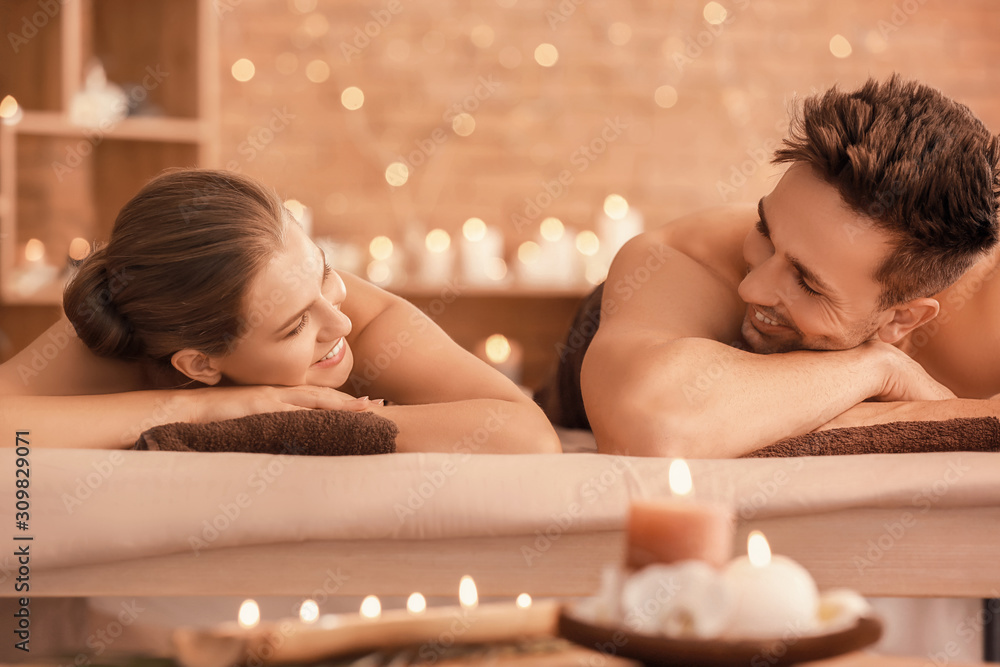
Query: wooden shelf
column 58, row 180
column 140, row 128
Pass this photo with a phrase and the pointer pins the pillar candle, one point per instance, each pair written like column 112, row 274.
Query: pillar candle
column 673, row 529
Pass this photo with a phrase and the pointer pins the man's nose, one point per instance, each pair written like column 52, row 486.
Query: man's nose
column 760, row 286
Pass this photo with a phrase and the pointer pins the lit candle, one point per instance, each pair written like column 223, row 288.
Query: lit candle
column 371, row 607
column 481, row 248
column 309, row 612
column 439, row 259
column 249, row 614
column 618, row 223
column 503, row 354
column 665, row 531
column 773, row 594
column 34, row 273
column 332, row 635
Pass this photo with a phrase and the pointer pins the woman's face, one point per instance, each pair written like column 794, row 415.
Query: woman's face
column 293, row 330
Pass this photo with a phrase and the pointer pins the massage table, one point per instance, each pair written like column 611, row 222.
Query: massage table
column 108, row 523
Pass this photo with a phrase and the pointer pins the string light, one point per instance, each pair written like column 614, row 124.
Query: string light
column 243, row 70
column 839, row 46
column 352, row 98
column 463, row 124
column 714, row 13
column 396, row 174
column 317, row 71
column 546, row 55
column 665, row 96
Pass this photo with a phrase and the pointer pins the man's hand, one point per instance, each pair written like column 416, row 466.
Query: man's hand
column 903, row 378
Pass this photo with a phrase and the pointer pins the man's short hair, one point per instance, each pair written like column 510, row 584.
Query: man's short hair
column 918, row 165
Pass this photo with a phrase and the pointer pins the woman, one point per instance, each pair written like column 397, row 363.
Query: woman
column 209, row 302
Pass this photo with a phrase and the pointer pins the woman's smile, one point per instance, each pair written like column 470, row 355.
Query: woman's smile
column 334, row 356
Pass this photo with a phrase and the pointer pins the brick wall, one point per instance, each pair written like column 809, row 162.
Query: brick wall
column 733, row 83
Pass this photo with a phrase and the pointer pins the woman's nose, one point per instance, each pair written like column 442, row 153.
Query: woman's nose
column 336, row 323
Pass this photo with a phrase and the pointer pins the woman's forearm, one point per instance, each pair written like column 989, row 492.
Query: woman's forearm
column 105, row 421
column 478, row 426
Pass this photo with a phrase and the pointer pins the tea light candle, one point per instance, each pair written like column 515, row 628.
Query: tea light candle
column 503, row 354
column 438, row 263
column 676, row 529
column 481, row 248
column 619, row 223
column 773, row 594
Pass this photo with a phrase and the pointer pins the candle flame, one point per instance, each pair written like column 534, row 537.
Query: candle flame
column 371, row 607
column 615, row 206
column 380, row 247
column 528, row 252
column 437, row 240
column 496, row 268
column 34, row 250
column 680, row 478
column 309, row 611
column 758, row 550
column 8, row 107
column 474, row 229
column 552, row 229
column 249, row 614
column 467, row 593
column 416, row 604
column 79, row 248
column 523, row 601
column 497, row 348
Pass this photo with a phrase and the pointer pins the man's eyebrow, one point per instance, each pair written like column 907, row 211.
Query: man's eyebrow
column 322, row 281
column 762, row 227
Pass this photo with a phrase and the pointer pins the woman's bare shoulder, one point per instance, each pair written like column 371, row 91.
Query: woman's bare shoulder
column 57, row 363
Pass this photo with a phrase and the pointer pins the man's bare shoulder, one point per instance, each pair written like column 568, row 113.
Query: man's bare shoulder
column 713, row 237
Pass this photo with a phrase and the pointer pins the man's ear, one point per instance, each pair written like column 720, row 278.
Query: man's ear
column 908, row 316
column 197, row 366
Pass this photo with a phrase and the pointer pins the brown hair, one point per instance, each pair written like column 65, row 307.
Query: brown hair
column 918, row 165
column 177, row 268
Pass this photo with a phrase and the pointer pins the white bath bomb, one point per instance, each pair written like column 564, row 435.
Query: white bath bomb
column 686, row 599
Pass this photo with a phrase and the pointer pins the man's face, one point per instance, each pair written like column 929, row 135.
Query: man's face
column 810, row 259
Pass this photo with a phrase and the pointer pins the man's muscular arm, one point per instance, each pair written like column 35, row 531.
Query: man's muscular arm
column 657, row 381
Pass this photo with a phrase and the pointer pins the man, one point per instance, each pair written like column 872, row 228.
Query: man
column 730, row 329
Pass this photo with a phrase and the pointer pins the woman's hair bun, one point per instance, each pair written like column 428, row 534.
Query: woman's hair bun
column 89, row 303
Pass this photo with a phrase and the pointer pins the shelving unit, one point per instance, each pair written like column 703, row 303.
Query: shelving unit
column 59, row 181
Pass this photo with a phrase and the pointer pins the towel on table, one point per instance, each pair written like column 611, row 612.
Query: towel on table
column 308, row 432
column 973, row 434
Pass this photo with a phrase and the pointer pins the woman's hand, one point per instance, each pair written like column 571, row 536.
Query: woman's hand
column 219, row 403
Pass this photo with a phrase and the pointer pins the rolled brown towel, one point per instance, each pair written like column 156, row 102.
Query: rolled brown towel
column 973, row 434
column 307, row 432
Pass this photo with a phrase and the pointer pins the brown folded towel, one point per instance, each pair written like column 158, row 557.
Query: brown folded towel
column 308, row 432
column 977, row 434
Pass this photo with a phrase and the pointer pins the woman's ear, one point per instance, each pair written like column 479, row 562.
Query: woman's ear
column 197, row 366
column 908, row 316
